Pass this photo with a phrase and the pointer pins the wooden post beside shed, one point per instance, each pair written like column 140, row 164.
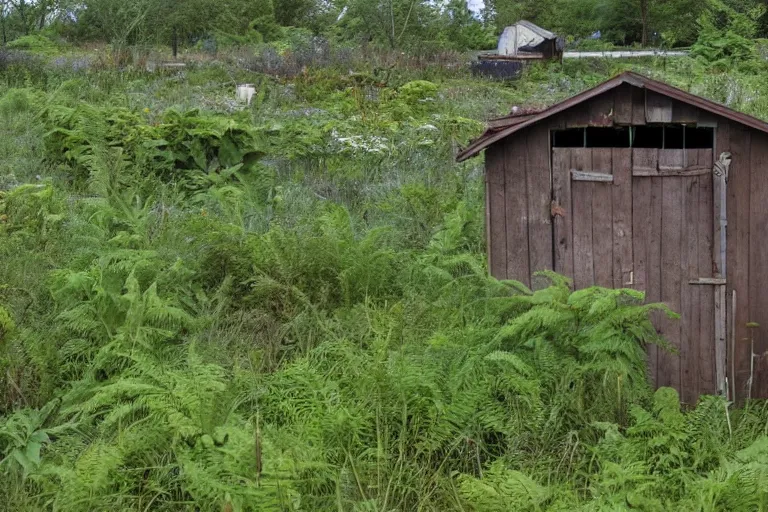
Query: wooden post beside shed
column 635, row 183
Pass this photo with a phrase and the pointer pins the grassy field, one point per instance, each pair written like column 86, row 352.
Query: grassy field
column 284, row 306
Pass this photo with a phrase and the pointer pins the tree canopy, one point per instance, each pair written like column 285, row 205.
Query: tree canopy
column 397, row 24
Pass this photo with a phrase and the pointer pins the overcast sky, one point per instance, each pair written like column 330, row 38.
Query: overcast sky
column 475, row 5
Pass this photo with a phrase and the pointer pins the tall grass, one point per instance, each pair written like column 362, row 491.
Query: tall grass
column 284, row 306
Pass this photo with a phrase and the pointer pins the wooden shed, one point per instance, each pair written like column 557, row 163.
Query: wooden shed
column 637, row 184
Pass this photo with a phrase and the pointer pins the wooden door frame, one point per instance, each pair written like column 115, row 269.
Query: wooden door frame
column 718, row 247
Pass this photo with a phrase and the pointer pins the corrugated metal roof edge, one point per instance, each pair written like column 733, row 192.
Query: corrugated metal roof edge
column 489, row 137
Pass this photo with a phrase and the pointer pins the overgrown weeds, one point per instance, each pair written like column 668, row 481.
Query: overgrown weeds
column 285, row 306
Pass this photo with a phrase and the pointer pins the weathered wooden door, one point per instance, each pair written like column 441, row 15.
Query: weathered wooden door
column 643, row 219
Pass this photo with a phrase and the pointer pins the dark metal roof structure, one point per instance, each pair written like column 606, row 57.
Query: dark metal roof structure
column 505, row 126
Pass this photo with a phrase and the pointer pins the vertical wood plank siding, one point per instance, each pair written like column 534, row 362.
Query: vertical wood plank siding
column 563, row 219
column 645, row 160
column 684, row 113
column 658, row 108
column 671, row 236
column 719, row 219
column 622, row 216
column 516, row 197
column 642, row 221
column 653, row 233
column 488, row 221
column 581, row 197
column 577, row 116
column 602, row 219
column 539, row 200
column 738, row 205
column 497, row 245
column 622, row 104
column 705, row 250
column 602, row 110
column 689, row 294
column 654, row 277
column 758, row 256
column 723, row 144
column 638, row 106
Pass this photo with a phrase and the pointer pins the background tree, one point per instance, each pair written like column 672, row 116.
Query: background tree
column 462, row 30
column 295, row 13
column 4, row 12
column 676, row 20
column 172, row 21
column 395, row 23
column 507, row 12
column 619, row 21
column 116, row 22
column 23, row 9
column 726, row 35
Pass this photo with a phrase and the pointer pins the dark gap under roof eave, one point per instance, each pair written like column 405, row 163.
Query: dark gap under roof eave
column 628, row 77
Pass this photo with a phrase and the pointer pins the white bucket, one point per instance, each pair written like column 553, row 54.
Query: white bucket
column 245, row 93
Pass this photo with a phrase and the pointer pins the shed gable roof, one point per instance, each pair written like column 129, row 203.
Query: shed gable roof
column 506, row 126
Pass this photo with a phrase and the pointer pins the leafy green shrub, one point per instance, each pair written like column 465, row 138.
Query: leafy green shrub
column 190, row 141
column 20, row 69
column 591, row 45
column 293, row 272
column 663, row 460
column 182, row 146
column 7, row 326
column 7, row 330
column 417, row 91
column 420, row 211
column 726, row 36
column 34, row 43
column 504, row 489
column 17, row 101
column 223, row 40
column 30, row 210
column 23, row 436
column 466, row 397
